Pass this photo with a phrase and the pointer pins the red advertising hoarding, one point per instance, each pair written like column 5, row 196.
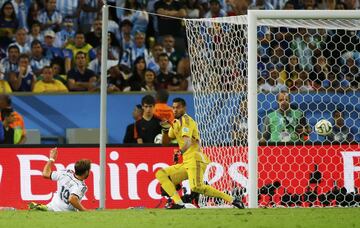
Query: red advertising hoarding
column 131, row 171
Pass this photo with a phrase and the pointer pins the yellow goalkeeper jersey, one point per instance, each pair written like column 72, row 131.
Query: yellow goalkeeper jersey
column 186, row 126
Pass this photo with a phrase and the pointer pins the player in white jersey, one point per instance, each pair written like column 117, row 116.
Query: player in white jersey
column 70, row 186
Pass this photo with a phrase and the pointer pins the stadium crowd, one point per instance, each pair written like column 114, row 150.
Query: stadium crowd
column 54, row 46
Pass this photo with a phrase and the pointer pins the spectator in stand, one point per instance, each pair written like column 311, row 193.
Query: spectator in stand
column 35, row 33
column 58, row 72
column 292, row 71
column 137, row 50
column 24, row 80
column 148, row 127
column 174, row 56
column 153, row 63
column 21, row 9
column 139, row 69
column 302, row 84
column 322, row 4
column 350, row 71
column 94, row 36
column 169, row 26
column 340, row 5
column 289, row 5
column 261, row 5
column 301, row 46
column 194, row 9
column 33, row 14
column 8, row 23
column 278, row 4
column 17, row 122
column 130, row 129
column 69, row 8
column 118, row 78
column 79, row 45
column 89, row 12
column 114, row 50
column 48, row 83
column 183, row 69
column 37, row 60
column 331, row 83
column 113, row 26
column 277, row 52
column 138, row 75
column 340, row 132
column 5, row 87
column 285, row 124
column 125, row 37
column 224, row 4
column 10, row 63
column 66, row 35
column 310, row 5
column 52, row 52
column 162, row 110
column 95, row 64
column 350, row 4
column 238, row 7
column 139, row 18
column 272, row 84
column 215, row 10
column 119, row 13
column 150, row 83
column 49, row 17
column 79, row 77
column 168, row 79
column 20, row 41
column 7, row 134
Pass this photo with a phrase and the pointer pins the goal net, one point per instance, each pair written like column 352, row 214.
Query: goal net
column 307, row 70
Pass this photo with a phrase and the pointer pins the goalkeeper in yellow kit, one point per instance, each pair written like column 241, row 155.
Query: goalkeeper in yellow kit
column 186, row 132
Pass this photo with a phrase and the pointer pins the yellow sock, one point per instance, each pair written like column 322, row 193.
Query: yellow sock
column 213, row 192
column 168, row 186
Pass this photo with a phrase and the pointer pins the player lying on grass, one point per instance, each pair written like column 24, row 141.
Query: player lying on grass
column 70, row 186
column 194, row 164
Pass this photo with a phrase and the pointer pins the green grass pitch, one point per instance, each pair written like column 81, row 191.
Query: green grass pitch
column 187, row 218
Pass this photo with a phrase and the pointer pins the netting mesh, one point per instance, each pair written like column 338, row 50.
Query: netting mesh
column 218, row 66
column 308, row 70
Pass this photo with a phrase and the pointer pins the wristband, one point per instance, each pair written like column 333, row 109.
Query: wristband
column 51, row 160
column 164, row 130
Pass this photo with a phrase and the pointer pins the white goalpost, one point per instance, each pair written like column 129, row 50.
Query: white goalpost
column 103, row 96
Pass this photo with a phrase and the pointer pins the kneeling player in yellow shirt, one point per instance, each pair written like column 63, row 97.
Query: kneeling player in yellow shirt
column 186, row 132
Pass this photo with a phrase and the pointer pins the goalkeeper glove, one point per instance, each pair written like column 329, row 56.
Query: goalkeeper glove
column 165, row 125
column 177, row 154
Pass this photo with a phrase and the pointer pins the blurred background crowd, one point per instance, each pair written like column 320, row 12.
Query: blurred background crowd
column 54, row 46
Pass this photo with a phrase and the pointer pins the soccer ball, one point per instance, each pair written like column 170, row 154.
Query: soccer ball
column 323, row 127
column 158, row 139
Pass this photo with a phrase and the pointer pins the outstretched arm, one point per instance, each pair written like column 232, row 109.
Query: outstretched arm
column 47, row 168
column 187, row 144
column 166, row 138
